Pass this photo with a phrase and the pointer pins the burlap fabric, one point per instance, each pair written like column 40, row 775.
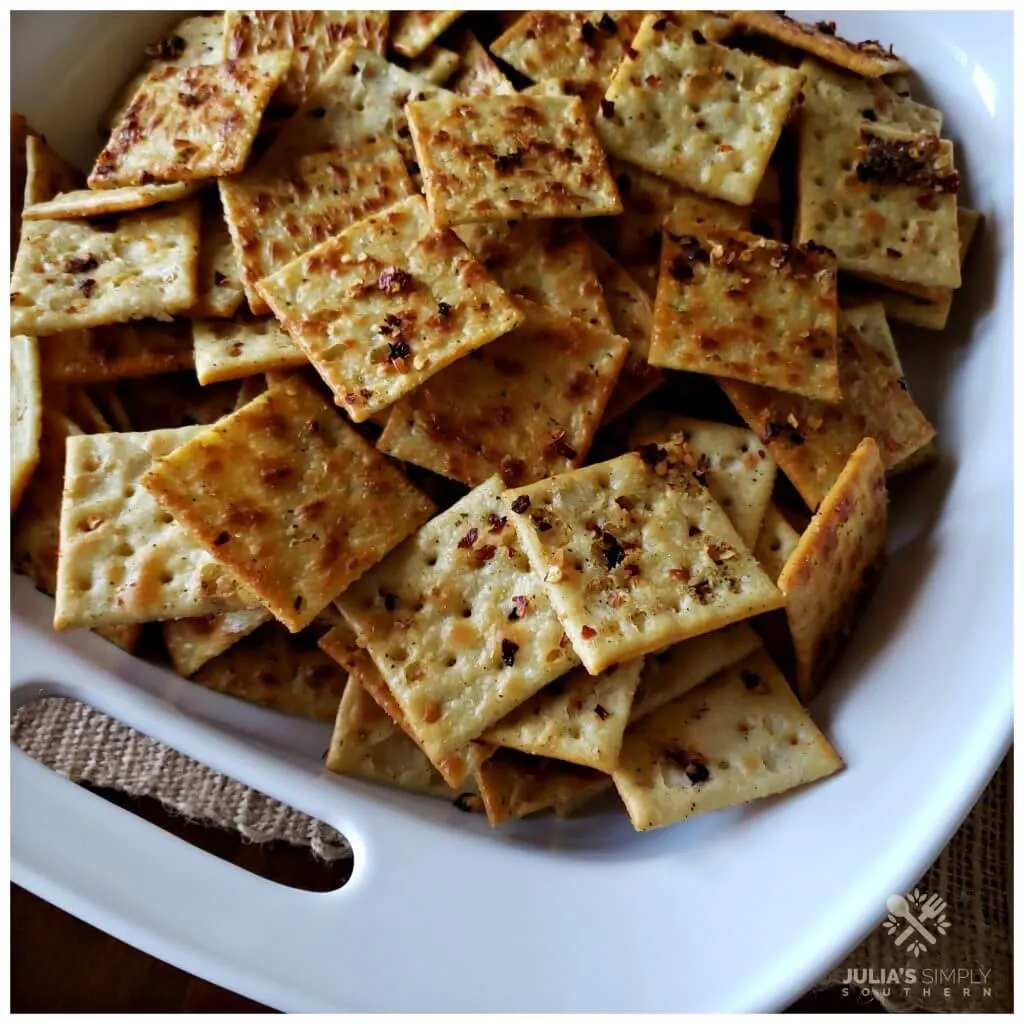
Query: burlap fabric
column 968, row 968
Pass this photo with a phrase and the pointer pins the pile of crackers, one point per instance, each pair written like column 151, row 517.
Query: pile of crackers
column 515, row 391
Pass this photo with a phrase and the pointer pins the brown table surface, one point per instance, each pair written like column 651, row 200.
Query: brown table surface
column 61, row 964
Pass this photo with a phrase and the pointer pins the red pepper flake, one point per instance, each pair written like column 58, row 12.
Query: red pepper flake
column 521, row 504
column 588, row 633
column 469, row 540
column 393, row 280
column 682, row 574
column 486, row 553
column 398, row 350
column 602, row 712
column 520, row 604
column 222, row 538
column 607, row 108
column 508, row 653
column 624, row 503
column 80, row 264
column 87, row 287
column 443, row 310
column 496, row 523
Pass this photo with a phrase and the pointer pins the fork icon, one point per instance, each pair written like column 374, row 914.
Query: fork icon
column 932, row 908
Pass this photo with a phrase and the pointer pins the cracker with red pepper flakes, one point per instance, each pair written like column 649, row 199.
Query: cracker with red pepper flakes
column 687, row 108
column 278, row 670
column 735, row 466
column 458, row 625
column 383, row 306
column 71, row 274
column 235, row 349
column 836, row 565
column 457, row 770
column 277, row 212
column 189, row 123
column 737, row 305
column 487, row 158
column 526, row 406
column 144, row 348
column 413, row 31
column 812, row 440
column 636, row 555
column 741, row 736
column 311, row 39
column 549, row 262
column 289, row 498
column 868, row 58
column 578, row 718
column 514, row 785
column 191, row 643
column 775, row 543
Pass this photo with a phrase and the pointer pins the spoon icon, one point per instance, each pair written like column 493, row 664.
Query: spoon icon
column 898, row 907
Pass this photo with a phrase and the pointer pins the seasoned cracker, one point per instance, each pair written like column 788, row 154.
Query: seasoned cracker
column 632, row 319
column 577, row 46
column 289, row 499
column 514, row 785
column 868, row 58
column 775, row 543
column 478, row 74
column 413, row 31
column 635, row 555
column 680, row 668
column 386, row 304
column 142, row 349
column 526, row 406
column 191, row 643
column 458, row 625
column 88, row 202
column 360, row 99
column 811, row 441
column 547, row 262
column 731, row 461
column 694, row 111
column 737, row 305
column 122, row 558
column 836, row 566
column 235, row 349
column 71, row 274
column 26, row 413
column 578, row 718
column 311, row 39
column 739, row 737
column 276, row 670
column 219, row 275
column 488, row 158
column 435, row 65
column 189, row 123
column 48, row 174
column 277, row 213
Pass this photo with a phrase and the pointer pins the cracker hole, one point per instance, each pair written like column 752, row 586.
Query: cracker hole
column 166, row 518
column 166, row 578
column 450, row 662
column 467, row 613
column 398, row 655
column 129, row 492
column 604, row 482
column 793, row 740
column 724, row 766
column 775, row 545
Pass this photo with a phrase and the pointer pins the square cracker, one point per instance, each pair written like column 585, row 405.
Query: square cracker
column 219, row 276
column 361, row 98
column 276, row 670
column 189, row 123
column 48, row 174
column 234, row 349
column 739, row 737
column 277, row 213
column 191, row 643
column 146, row 348
column 73, row 273
column 386, row 304
column 88, row 202
column 635, row 555
column 478, row 75
column 35, row 529
column 578, row 718
column 868, row 58
column 501, row 157
column 732, row 462
column 122, row 558
column 836, row 566
column 737, row 305
column 514, row 785
column 26, row 413
column 458, row 625
column 676, row 670
column 577, row 46
column 311, row 39
column 289, row 498
column 413, row 31
column 703, row 115
column 775, row 543
column 547, row 262
column 811, row 440
column 526, row 406
column 632, row 318
column 455, row 769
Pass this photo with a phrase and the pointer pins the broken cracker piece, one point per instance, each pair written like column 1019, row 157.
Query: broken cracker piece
column 26, row 413
column 191, row 643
